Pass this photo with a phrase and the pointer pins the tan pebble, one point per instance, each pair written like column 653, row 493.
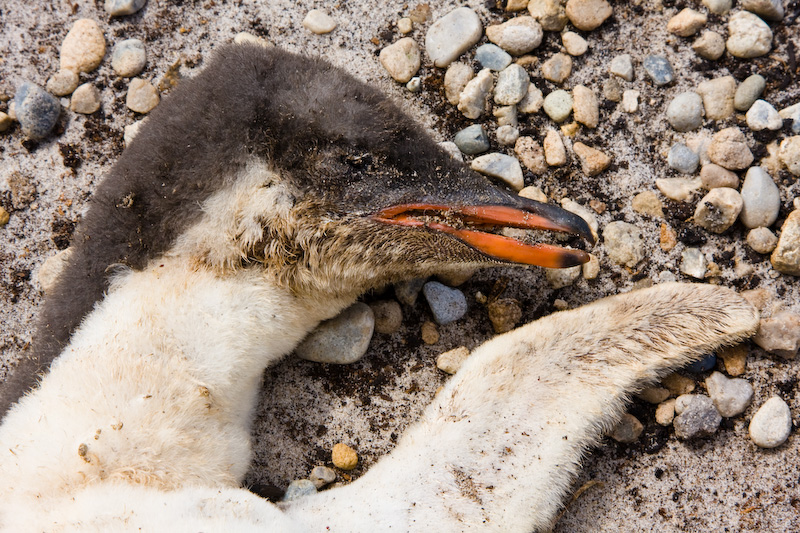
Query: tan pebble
column 789, row 154
column 627, row 430
column 591, row 269
column 550, row 14
column 83, row 47
column 597, row 206
column 456, row 276
column 344, row 457
column 534, row 193
column 665, row 412
column 570, row 130
column 401, row 59
column 648, row 203
column 245, row 37
column 5, row 122
column 686, row 23
column 85, row 99
column 517, row 36
column 455, row 79
column 786, row 257
column 593, row 161
column 678, row 384
column 452, row 360
column 405, row 25
column 388, row 316
column 710, row 45
column 554, row 151
column 516, row 5
column 574, row 44
column 51, row 269
column 714, row 176
column 762, row 240
column 430, row 333
column 630, row 101
column 585, row 106
column 532, row 101
column 527, row 61
column 504, row 314
column 679, row 189
column 717, row 97
column 531, row 155
column 758, row 298
column 587, row 15
column 4, row 217
column 654, row 395
column 729, row 149
column 142, row 96
column 63, row 82
column 557, row 68
column 734, row 358
column 560, row 305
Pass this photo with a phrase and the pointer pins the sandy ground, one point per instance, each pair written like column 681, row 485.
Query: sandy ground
column 724, row 483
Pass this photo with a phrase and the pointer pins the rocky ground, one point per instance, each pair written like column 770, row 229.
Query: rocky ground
column 658, row 481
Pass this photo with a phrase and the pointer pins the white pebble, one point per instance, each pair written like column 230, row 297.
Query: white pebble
column 401, row 59
column 574, row 44
column 761, row 197
column 772, row 423
column 319, row 22
column 749, row 36
column 622, row 66
column 630, row 101
column 452, row 35
column 762, row 116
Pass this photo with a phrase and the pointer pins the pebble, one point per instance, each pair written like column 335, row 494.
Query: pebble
column 447, row 305
column 299, row 488
column 554, row 151
column 456, row 276
column 558, row 278
column 407, row 291
column 647, row 203
column 623, row 243
column 748, row 92
column 659, row 70
column 714, row 176
column 388, row 316
column 512, row 85
column 717, row 97
column 718, row 209
column 4, row 216
column 574, row 44
column 585, row 106
column 63, row 82
column 789, row 154
column 550, row 14
column 665, row 412
column 129, row 58
column 703, row 365
column 452, row 35
column 475, row 95
column 130, row 131
column 698, row 419
column 734, row 358
column 630, row 101
column 591, row 269
column 789, row 113
column 762, row 240
column 729, row 149
column 117, row 8
column 766, row 9
column 507, row 135
column 693, row 263
column 678, row 384
column 321, row 476
column 532, row 101
column 401, row 59
column 786, row 257
column 683, row 159
column 341, row 340
column 142, row 96
column 627, row 430
column 533, row 193
column 455, row 79
column 779, row 334
column 718, row 7
column 654, row 395
column 679, row 189
column 414, row 85
column 710, row 45
column 761, row 197
column 593, row 161
column 558, row 105
column 472, row 140
column 405, row 25
column 52, row 268
column 492, row 57
column 452, row 360
column 772, row 423
column 5, row 122
column 612, row 89
column 730, row 396
column 85, row 99
column 557, row 68
column 502, row 166
column 429, row 332
column 83, row 47
column 517, row 36
column 587, row 15
column 686, row 23
column 762, row 116
column 506, row 115
column 504, row 313
column 685, row 112
column 344, row 457
column 748, row 35
column 586, row 214
column 319, row 22
column 37, row 110
column 622, row 66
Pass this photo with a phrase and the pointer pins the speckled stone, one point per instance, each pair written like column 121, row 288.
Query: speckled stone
column 686, row 23
column 129, row 58
column 623, row 243
column 452, row 360
column 472, row 140
column 762, row 240
column 507, row 135
column 558, row 278
column 142, row 96
column 341, row 340
column 714, row 176
column 658, row 69
column 452, row 35
column 85, row 99
column 587, row 15
column 693, row 263
column 83, row 47
column 401, row 59
column 504, row 314
column 455, row 79
column 299, row 488
column 447, row 305
column 761, row 197
column 344, row 457
column 63, row 82
column 730, row 396
column 475, row 96
column 786, row 257
column 627, row 430
column 647, row 203
column 762, row 116
column 748, row 35
column 718, row 209
column 558, row 68
column 388, row 316
column 698, row 419
column 512, row 85
column 574, row 44
column 37, row 110
column 593, row 161
column 729, row 149
column 710, row 45
column 502, row 166
column 679, row 189
column 789, row 154
column 118, row 8
column 321, row 476
column 550, row 14
column 554, row 151
column 585, row 106
column 685, row 112
column 319, row 22
column 717, row 97
column 517, row 36
column 748, row 92
column 408, row 291
column 682, row 158
column 612, row 90
column 772, row 423
column 532, row 101
column 558, row 105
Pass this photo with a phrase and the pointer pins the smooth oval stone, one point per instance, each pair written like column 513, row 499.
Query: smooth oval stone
column 452, row 35
column 447, row 305
column 341, row 340
column 492, row 57
column 37, row 110
column 472, row 140
column 659, row 70
column 685, row 111
column 761, row 197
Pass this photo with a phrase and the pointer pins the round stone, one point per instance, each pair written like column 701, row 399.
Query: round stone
column 574, row 44
column 730, row 396
column 512, row 85
column 129, row 58
column 710, row 45
column 502, row 166
column 455, row 79
column 685, row 112
column 452, row 35
column 142, row 96
column 343, row 339
column 344, row 457
column 492, row 57
column 772, row 423
column 558, row 105
column 557, row 68
column 623, row 243
column 83, row 47
column 530, row 154
column 414, row 85
column 762, row 240
column 319, row 22
column 682, row 158
column 622, row 66
column 659, row 69
column 762, row 116
column 517, row 36
column 729, row 149
column 748, row 35
column 63, row 82
column 714, row 176
column 789, row 154
column 447, row 304
column 558, row 278
column 766, row 9
column 401, row 59
column 85, row 99
column 585, row 106
column 472, row 140
column 587, row 15
column 761, row 197
column 748, row 92
column 405, row 25
column 388, row 316
column 37, row 110
column 117, row 8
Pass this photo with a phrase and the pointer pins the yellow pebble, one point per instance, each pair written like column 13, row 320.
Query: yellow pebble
column 4, row 217
column 344, row 457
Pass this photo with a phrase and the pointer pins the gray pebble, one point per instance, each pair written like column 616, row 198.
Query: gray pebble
column 748, row 35
column 730, row 396
column 63, row 82
column 683, row 159
column 623, row 243
column 452, row 35
column 718, row 210
column 321, row 476
column 659, row 69
column 343, row 339
column 786, row 258
column 693, row 263
column 388, row 316
column 116, row 8
column 129, row 58
column 748, row 92
column 37, row 110
column 612, row 89
column 622, row 66
column 512, row 85
column 558, row 105
column 772, row 423
column 762, row 240
column 502, row 166
column 472, row 140
column 299, row 488
column 627, row 430
column 407, row 291
column 762, row 116
column 698, row 419
column 685, row 112
column 447, row 305
column 492, row 57
column 761, row 198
